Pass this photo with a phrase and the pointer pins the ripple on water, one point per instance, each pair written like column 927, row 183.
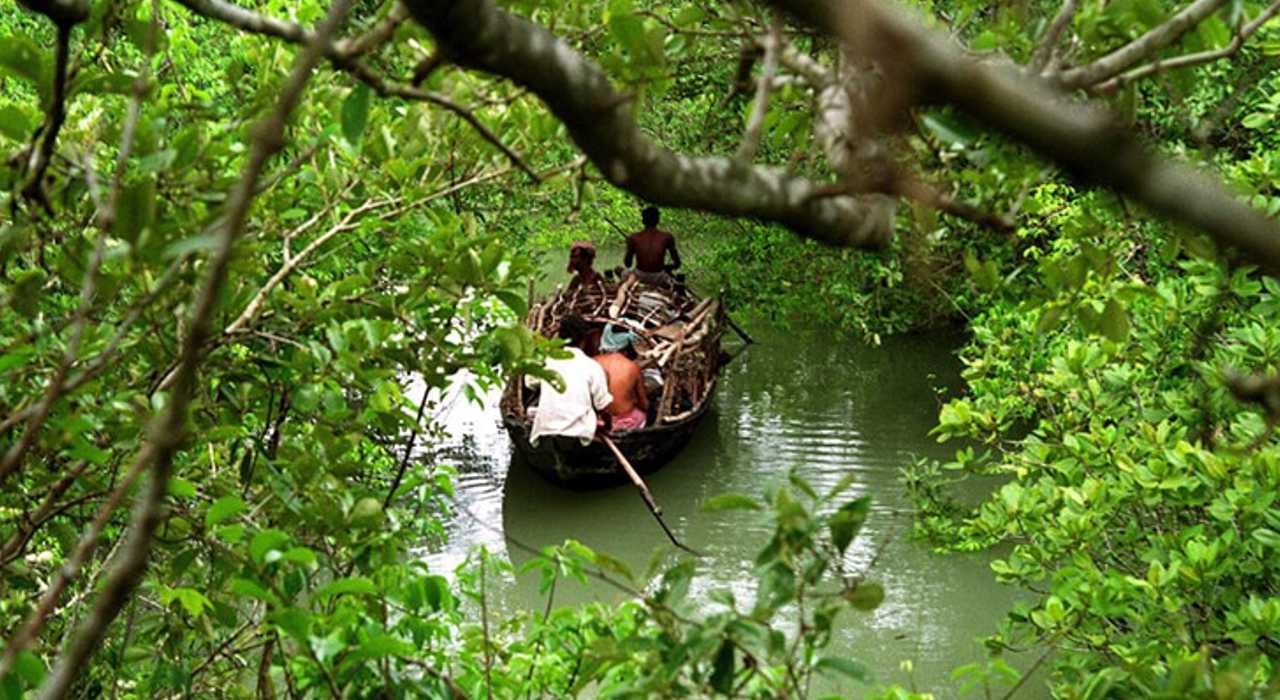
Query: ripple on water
column 795, row 401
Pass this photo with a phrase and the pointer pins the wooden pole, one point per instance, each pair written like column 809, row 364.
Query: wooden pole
column 644, row 493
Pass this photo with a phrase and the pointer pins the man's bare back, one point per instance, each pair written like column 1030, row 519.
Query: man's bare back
column 649, row 250
column 626, row 383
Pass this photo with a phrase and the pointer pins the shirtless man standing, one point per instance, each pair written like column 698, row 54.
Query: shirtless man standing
column 626, row 385
column 648, row 248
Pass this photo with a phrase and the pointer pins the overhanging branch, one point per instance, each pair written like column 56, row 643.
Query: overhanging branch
column 1084, row 140
column 480, row 35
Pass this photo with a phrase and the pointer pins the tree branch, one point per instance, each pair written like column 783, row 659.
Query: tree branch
column 344, row 56
column 1084, row 140
column 480, row 35
column 1192, row 59
column 380, row 34
column 755, row 123
column 41, row 156
column 167, row 431
column 11, row 460
column 1159, row 37
column 1049, row 43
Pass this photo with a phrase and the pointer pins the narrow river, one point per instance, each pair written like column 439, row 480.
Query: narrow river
column 797, row 399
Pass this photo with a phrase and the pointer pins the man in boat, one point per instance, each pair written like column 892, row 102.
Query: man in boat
column 582, row 258
column 626, row 382
column 570, row 415
column 649, row 248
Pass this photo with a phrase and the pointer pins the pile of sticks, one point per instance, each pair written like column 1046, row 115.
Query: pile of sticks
column 675, row 332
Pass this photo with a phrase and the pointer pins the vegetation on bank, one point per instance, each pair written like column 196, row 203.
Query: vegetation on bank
column 206, row 455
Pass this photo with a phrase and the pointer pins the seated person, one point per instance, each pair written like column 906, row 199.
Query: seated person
column 626, row 384
column 582, row 258
column 571, row 414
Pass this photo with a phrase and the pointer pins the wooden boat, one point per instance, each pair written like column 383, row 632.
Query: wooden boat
column 678, row 335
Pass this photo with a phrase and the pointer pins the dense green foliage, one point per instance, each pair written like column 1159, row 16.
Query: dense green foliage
column 389, row 250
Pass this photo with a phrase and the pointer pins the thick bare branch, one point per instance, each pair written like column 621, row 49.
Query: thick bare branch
column 1049, row 42
column 1193, row 59
column 167, row 431
column 1086, row 141
column 478, row 34
column 1125, row 57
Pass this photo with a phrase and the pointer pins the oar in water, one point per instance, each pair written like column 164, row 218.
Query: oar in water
column 645, row 494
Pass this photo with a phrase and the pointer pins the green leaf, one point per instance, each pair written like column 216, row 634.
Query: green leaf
column 730, row 501
column 292, row 621
column 181, row 488
column 135, row 210
column 867, row 596
column 1115, row 322
column 514, row 301
column 949, row 130
column 1267, row 536
column 847, row 521
column 355, row 113
column 21, row 57
column 224, row 508
column 628, row 31
column 30, row 668
column 16, row 357
column 382, row 645
column 722, row 670
column 251, row 589
column 1258, row 120
column 1050, row 316
column 437, row 592
column 848, row 667
column 358, row 585
column 193, row 601
column 264, row 542
column 15, row 124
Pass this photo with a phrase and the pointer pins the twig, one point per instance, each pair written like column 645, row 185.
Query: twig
column 408, row 451
column 1192, row 59
column 69, row 569
column 1049, row 43
column 484, row 622
column 41, row 156
column 1153, row 40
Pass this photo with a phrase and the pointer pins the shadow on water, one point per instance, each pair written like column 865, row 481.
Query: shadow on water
column 798, row 400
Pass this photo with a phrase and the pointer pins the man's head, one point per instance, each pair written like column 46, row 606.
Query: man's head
column 650, row 216
column 582, row 255
column 573, row 330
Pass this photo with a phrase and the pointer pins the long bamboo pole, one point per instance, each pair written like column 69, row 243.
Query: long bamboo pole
column 644, row 493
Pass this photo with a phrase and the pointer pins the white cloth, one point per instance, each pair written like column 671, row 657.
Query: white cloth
column 571, row 412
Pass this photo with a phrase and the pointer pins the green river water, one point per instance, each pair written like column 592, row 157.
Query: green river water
column 797, row 399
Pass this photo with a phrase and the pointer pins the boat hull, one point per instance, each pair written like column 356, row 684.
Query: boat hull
column 593, row 466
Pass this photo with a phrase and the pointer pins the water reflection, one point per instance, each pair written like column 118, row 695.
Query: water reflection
column 797, row 400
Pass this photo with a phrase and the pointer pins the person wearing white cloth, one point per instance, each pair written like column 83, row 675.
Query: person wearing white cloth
column 571, row 414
